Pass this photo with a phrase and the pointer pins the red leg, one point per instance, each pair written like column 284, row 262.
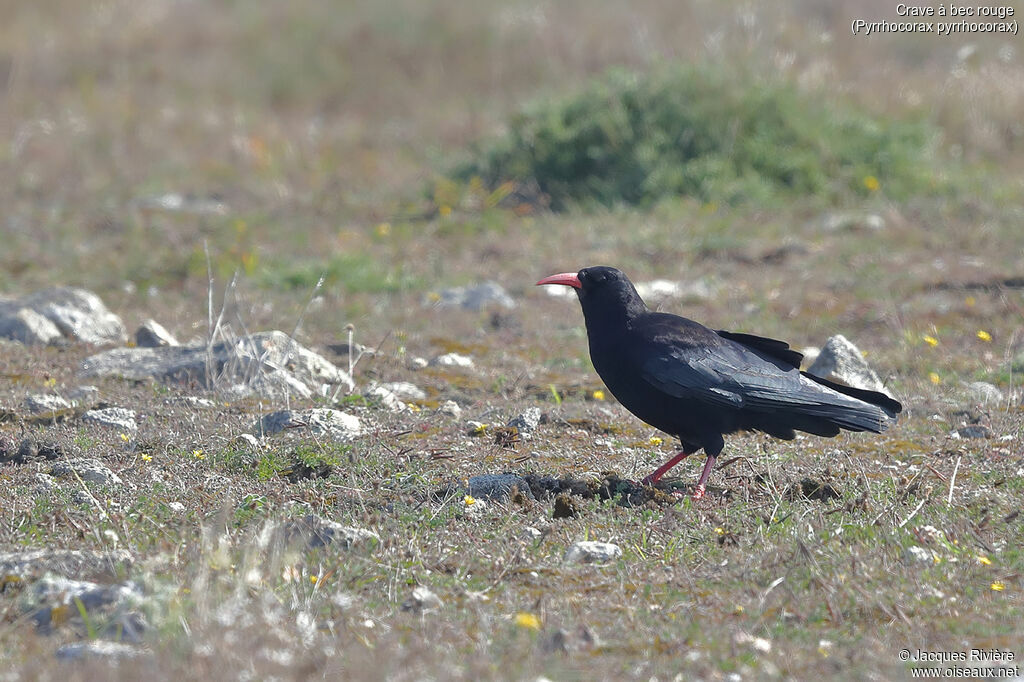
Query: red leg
column 660, row 471
column 708, row 465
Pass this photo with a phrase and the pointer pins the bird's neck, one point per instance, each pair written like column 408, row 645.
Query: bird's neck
column 606, row 320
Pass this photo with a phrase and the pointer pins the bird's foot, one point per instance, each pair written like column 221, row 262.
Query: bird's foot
column 698, row 492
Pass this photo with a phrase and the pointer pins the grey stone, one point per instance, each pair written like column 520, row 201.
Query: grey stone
column 89, row 469
column 497, row 486
column 418, row 363
column 33, row 563
column 116, row 417
column 339, row 426
column 265, row 362
column 839, row 222
column 314, row 531
column 79, row 314
column 198, row 403
column 405, row 390
column 450, row 408
column 974, row 431
column 380, row 394
column 984, row 393
column 422, row 600
column 452, row 360
column 27, row 326
column 919, row 555
column 527, row 422
column 44, row 484
column 476, row 297
column 41, row 403
column 152, row 334
column 275, row 384
column 841, row 361
column 659, row 290
column 592, row 552
column 83, row 394
column 54, row 590
column 98, row 649
column 176, row 202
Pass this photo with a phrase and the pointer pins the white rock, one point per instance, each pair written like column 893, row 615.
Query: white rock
column 985, row 393
column 760, row 644
column 589, row 551
column 915, row 554
column 97, row 649
column 450, row 408
column 339, row 426
column 527, row 422
column 476, row 297
column 314, row 531
column 452, row 360
column 117, row 417
column 41, row 403
column 386, row 397
column 405, row 390
column 422, row 599
column 27, row 326
column 89, row 469
column 842, row 362
column 79, row 314
column 81, row 394
column 152, row 334
column 265, row 363
column 497, row 486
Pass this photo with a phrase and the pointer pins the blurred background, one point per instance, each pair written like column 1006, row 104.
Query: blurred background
column 400, row 147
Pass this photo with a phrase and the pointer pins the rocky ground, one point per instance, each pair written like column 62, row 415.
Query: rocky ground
column 279, row 400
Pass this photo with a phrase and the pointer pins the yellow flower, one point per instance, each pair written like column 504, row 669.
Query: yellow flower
column 998, row 586
column 527, row 620
column 720, row 531
column 445, row 211
column 984, row 335
column 930, row 340
column 314, row 579
column 125, row 437
column 934, row 378
column 738, row 609
column 598, row 394
column 871, row 183
column 383, row 229
column 970, row 301
column 655, row 441
column 469, row 500
column 984, row 561
column 198, row 454
column 147, row 458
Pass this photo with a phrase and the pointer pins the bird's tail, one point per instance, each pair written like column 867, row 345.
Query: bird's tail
column 868, row 411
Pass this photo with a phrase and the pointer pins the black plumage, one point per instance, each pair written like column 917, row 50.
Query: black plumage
column 699, row 384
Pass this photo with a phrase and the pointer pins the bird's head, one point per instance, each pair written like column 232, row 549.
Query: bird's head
column 604, row 292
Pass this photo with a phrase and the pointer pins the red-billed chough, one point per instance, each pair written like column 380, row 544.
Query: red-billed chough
column 698, row 384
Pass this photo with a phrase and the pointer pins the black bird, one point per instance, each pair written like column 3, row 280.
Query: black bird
column 698, row 384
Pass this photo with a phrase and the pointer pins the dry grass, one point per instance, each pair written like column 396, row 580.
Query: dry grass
column 316, row 125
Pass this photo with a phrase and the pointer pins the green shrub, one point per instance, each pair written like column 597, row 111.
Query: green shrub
column 703, row 133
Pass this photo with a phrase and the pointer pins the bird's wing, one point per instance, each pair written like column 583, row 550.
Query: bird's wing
column 726, row 377
column 774, row 348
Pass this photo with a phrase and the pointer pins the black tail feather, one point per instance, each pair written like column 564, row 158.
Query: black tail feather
column 888, row 405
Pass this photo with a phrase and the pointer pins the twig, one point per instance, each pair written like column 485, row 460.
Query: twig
column 912, row 514
column 952, row 480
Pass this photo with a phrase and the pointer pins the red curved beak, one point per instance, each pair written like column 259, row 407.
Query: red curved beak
column 569, row 279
